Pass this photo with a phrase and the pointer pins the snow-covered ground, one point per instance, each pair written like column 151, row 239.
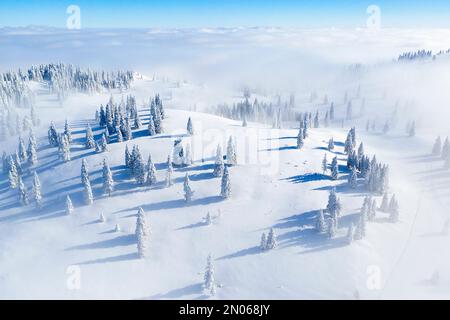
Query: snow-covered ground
column 274, row 185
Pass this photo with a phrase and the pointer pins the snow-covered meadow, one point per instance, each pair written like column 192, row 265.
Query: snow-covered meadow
column 262, row 87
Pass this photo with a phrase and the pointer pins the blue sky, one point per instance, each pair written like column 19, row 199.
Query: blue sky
column 213, row 13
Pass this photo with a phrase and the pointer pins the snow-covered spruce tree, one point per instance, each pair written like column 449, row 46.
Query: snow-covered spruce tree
column 169, row 172
column 151, row 126
column 188, row 193
column 23, row 192
column 141, row 236
column 332, row 111
column 263, row 242
column 353, row 178
column 127, row 132
column 108, row 182
column 69, row 205
column 316, row 120
column 208, row 278
column 320, row 222
column 360, row 152
column 52, row 135
column 348, row 148
column 324, row 164
column 386, row 127
column 384, row 207
column 300, row 139
column 326, row 120
column 437, row 147
column 137, row 121
column 350, row 233
column 332, row 226
column 244, row 121
column 68, row 131
column 139, row 171
column 104, row 144
column 141, row 223
column 65, row 148
column 157, row 120
column 119, row 134
column 231, row 152
column 37, row 191
column 151, row 171
column 127, row 157
column 218, row 164
column 225, row 187
column 305, row 132
column 393, row 210
column 189, row 127
column 331, row 144
column 22, row 151
column 18, row 163
column 13, row 175
column 90, row 143
column 272, row 242
column 88, row 196
column 102, row 218
column 445, row 149
column 31, row 151
column 334, row 205
column 334, row 169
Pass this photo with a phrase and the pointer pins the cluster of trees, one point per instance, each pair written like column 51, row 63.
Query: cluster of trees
column 442, row 150
column 15, row 166
column 415, row 55
column 63, row 78
column 143, row 173
column 268, row 242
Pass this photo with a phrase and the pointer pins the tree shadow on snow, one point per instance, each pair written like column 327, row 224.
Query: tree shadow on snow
column 181, row 292
column 307, row 178
column 119, row 258
column 120, row 241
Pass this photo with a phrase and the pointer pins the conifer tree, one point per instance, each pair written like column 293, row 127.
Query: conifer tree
column 188, row 193
column 218, row 165
column 334, row 169
column 331, row 144
column 231, row 152
column 151, row 127
column 333, row 206
column 108, row 182
column 23, row 193
column 68, row 131
column 90, row 143
column 169, row 172
column 325, row 164
column 208, row 278
column 393, row 210
column 151, row 171
column 225, row 189
column 300, row 139
column 13, row 175
column 263, row 242
column 37, row 191
column 190, row 128
column 437, row 147
column 352, row 180
column 271, row 240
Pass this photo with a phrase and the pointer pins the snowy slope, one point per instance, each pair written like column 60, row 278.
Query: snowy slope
column 274, row 185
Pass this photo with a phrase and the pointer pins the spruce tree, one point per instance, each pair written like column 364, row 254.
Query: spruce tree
column 151, row 171
column 263, row 242
column 231, row 152
column 141, row 236
column 334, row 169
column 68, row 131
column 325, row 164
column 333, row 206
column 218, row 165
column 169, row 172
column 23, row 193
column 300, row 139
column 208, row 278
column 225, row 188
column 320, row 223
column 272, row 242
column 437, row 147
column 37, row 191
column 108, row 182
column 393, row 210
column 331, row 144
column 90, row 143
column 188, row 193
column 352, row 180
column 190, row 128
column 13, row 175
column 151, row 127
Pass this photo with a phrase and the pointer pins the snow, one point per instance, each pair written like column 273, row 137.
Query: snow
column 274, row 184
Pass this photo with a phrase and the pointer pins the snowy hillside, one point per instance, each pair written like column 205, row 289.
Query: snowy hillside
column 278, row 186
